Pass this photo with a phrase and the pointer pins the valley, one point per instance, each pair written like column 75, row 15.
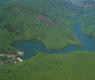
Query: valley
column 47, row 39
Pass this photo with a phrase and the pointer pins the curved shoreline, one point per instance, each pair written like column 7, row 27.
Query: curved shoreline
column 33, row 47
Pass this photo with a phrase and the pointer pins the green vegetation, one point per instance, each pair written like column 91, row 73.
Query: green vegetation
column 73, row 66
column 88, row 19
column 89, row 24
column 48, row 21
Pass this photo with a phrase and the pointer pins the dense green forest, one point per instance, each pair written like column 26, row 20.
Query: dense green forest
column 88, row 19
column 49, row 21
column 72, row 66
column 89, row 24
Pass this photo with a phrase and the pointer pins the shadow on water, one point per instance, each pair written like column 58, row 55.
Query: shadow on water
column 32, row 47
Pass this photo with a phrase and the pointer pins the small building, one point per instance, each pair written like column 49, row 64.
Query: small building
column 18, row 60
column 20, row 53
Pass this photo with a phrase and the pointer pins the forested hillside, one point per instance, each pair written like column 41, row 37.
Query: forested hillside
column 88, row 19
column 51, row 23
column 48, row 21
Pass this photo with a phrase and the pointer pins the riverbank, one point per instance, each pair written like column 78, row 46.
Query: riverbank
column 33, row 47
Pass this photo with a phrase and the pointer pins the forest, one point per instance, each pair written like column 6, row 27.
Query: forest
column 28, row 20
column 50, row 22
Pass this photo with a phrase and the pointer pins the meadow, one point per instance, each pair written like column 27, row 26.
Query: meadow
column 73, row 66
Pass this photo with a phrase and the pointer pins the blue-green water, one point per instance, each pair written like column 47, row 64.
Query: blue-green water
column 33, row 47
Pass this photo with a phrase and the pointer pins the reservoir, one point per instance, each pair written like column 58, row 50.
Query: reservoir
column 33, row 47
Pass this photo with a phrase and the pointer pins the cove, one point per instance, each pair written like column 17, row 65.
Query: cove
column 33, row 47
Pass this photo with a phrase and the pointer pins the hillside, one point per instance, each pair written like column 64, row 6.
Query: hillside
column 72, row 66
column 87, row 15
column 81, row 2
column 88, row 19
column 89, row 24
column 49, row 21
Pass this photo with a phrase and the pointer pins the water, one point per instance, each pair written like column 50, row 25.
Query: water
column 33, row 47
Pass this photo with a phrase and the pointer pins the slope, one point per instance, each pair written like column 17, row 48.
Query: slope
column 72, row 66
column 48, row 21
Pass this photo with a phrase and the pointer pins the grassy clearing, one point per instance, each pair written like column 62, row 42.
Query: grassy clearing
column 73, row 66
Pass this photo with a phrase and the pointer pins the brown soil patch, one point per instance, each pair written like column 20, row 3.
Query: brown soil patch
column 46, row 20
column 9, row 28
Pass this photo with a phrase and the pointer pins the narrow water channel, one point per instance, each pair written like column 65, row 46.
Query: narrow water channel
column 33, row 47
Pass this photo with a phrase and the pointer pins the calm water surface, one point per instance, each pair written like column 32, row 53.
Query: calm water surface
column 32, row 47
